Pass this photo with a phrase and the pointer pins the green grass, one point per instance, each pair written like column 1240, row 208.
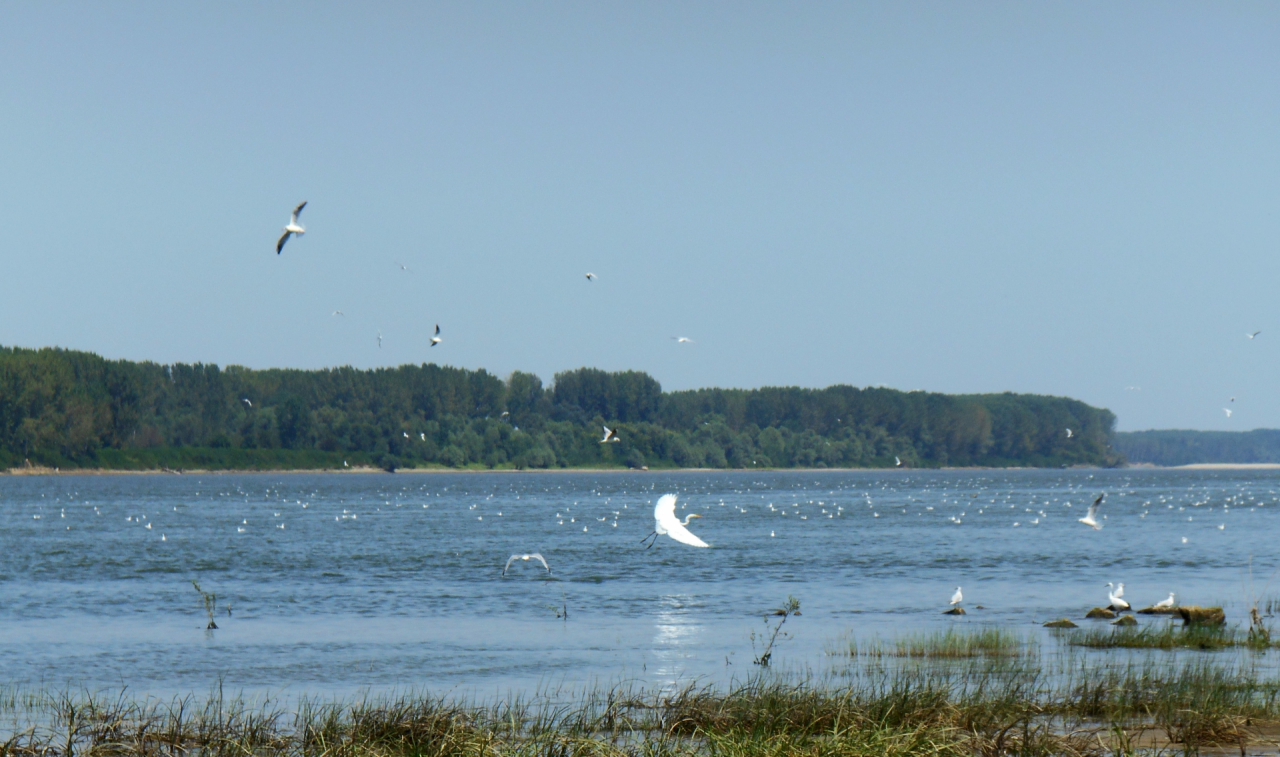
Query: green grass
column 1167, row 636
column 950, row 644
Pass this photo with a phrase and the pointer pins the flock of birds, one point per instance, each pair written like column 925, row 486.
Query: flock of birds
column 295, row 229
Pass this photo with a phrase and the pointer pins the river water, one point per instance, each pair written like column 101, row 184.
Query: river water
column 338, row 584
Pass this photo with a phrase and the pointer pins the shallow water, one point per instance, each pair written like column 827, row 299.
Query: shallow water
column 380, row 582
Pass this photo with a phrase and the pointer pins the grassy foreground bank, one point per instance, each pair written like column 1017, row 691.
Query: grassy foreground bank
column 983, row 706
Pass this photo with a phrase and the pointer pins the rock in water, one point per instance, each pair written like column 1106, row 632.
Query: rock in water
column 1064, row 623
column 1101, row 613
column 955, row 611
column 1127, row 620
column 1158, row 611
column 1202, row 616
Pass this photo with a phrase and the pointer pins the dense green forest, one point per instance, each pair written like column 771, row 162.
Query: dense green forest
column 1190, row 447
column 75, row 409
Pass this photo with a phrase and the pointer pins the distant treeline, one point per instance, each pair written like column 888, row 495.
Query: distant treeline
column 1190, row 447
column 67, row 409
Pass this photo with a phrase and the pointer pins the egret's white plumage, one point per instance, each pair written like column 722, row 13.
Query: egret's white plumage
column 1117, row 604
column 1091, row 518
column 526, row 558
column 610, row 435
column 293, row 229
column 958, row 597
column 1165, row 604
column 665, row 523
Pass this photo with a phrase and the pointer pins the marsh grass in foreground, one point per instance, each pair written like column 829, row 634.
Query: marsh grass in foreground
column 913, row 706
column 1168, row 636
column 950, row 644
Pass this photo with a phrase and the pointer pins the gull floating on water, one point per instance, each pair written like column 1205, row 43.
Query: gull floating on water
column 293, row 229
column 435, row 339
column 1165, row 604
column 526, row 558
column 610, row 435
column 1091, row 518
column 665, row 523
column 958, row 597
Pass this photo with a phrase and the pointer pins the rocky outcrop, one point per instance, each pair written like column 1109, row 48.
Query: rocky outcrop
column 1064, row 623
column 1202, row 616
column 1101, row 613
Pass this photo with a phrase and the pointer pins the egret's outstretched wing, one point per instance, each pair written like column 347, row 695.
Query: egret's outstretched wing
column 664, row 513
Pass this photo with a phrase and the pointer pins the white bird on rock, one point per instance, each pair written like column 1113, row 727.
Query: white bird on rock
column 1114, row 597
column 1165, row 604
column 665, row 523
column 293, row 229
column 957, row 598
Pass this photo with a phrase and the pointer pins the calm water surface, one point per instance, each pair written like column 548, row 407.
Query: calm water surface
column 346, row 583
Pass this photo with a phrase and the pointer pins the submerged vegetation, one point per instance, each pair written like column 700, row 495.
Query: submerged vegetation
column 75, row 409
column 982, row 706
column 948, row 644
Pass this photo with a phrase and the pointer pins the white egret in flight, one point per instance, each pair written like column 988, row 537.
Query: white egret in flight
column 293, row 229
column 1091, row 518
column 665, row 523
column 526, row 558
column 610, row 435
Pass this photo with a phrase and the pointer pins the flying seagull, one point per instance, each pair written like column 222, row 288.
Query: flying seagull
column 958, row 597
column 379, row 339
column 591, row 276
column 436, row 338
column 1091, row 519
column 1227, row 410
column 897, row 461
column 1254, row 335
column 294, row 228
column 1069, row 434
column 526, row 558
column 404, row 267
column 682, row 340
column 339, row 312
column 666, row 523
column 610, row 435
column 247, row 402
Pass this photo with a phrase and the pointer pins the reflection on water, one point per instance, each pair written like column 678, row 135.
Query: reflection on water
column 344, row 583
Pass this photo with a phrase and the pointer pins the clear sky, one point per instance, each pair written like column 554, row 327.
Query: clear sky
column 1063, row 198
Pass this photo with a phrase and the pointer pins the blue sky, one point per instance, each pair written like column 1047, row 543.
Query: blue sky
column 1064, row 198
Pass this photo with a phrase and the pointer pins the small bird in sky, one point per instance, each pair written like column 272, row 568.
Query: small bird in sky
column 247, row 402
column 682, row 340
column 1254, row 335
column 436, row 338
column 1133, row 388
column 404, row 267
column 406, row 434
column 379, row 340
column 423, row 435
column 1233, row 399
column 897, row 461
column 1069, row 434
column 293, row 229
column 957, row 598
column 339, row 312
column 610, row 435
column 591, row 276
column 1227, row 410
column 526, row 558
column 1091, row 518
